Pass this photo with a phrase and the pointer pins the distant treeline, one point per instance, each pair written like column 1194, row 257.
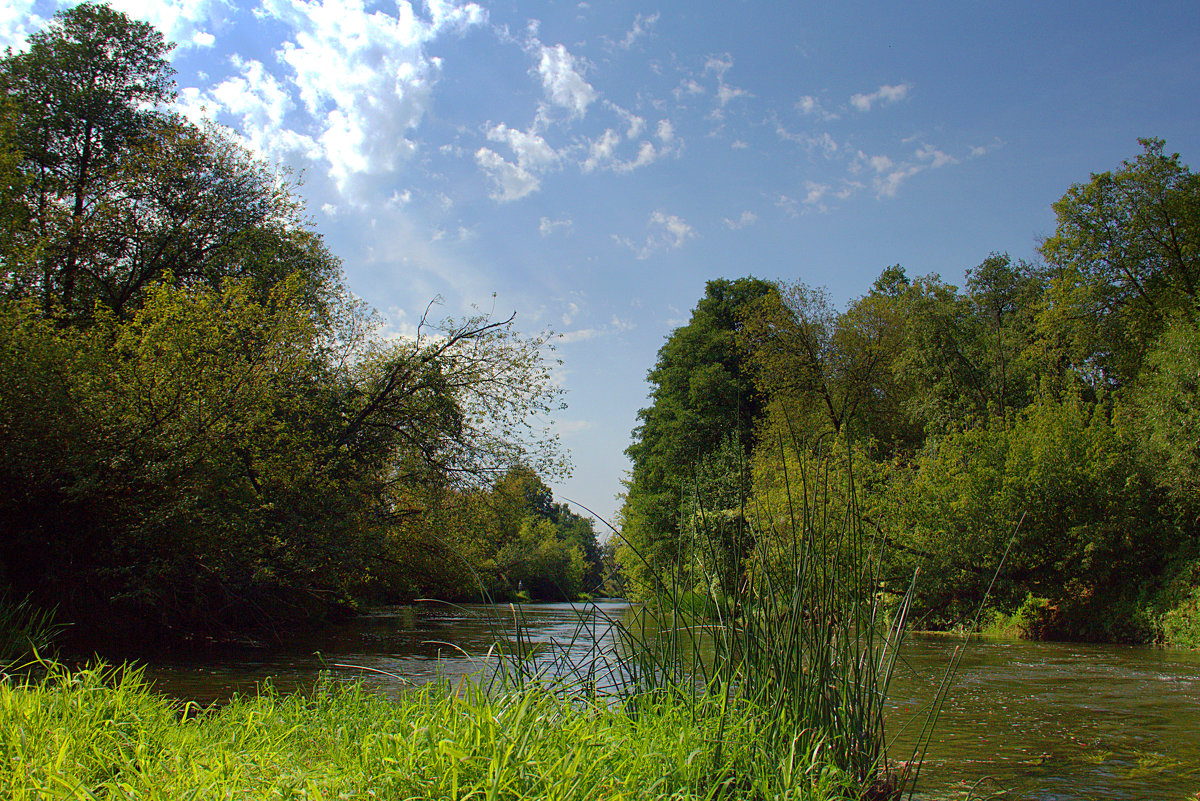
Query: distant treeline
column 200, row 427
column 1051, row 405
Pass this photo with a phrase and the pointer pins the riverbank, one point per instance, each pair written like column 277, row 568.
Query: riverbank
column 105, row 734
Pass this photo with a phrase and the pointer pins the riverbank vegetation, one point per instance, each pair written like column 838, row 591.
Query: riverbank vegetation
column 203, row 430
column 1042, row 421
column 103, row 734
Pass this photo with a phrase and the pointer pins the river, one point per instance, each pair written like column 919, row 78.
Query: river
column 1045, row 721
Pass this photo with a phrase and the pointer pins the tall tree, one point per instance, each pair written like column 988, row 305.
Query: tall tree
column 1125, row 259
column 702, row 391
column 86, row 92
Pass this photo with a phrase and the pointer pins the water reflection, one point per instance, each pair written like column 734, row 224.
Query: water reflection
column 1052, row 722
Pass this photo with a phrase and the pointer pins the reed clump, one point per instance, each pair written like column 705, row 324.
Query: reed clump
column 803, row 635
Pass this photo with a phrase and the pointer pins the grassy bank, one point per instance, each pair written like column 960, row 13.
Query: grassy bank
column 103, row 734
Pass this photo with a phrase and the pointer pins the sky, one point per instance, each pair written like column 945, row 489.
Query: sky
column 590, row 165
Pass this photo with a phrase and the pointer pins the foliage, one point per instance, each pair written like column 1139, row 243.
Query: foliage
column 1166, row 408
column 804, row 636
column 540, row 563
column 1126, row 258
column 201, row 427
column 1043, row 416
column 26, row 632
column 701, row 393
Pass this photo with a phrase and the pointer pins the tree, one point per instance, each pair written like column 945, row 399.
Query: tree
column 1166, row 408
column 116, row 192
column 1125, row 259
column 1004, row 297
column 702, row 391
column 86, row 93
column 823, row 370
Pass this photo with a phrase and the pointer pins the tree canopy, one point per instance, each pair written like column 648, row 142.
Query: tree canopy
column 201, row 428
column 1039, row 421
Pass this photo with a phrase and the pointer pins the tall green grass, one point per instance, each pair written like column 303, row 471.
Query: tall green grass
column 102, row 733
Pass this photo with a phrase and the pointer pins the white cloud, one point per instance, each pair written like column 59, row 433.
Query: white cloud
column 747, row 218
column 510, row 181
column 848, row 189
column 890, row 174
column 935, row 157
column 181, row 21
column 725, row 93
column 666, row 232
column 814, row 193
column 880, row 163
column 568, row 427
column 547, row 226
column 811, row 107
column 888, row 185
column 719, row 64
column 981, row 150
column 641, row 27
column 531, row 150
column 602, row 151
column 787, row 205
column 635, row 123
column 688, row 87
column 615, row 326
column 565, row 87
column 260, row 103
column 885, row 95
column 364, row 78
column 17, row 21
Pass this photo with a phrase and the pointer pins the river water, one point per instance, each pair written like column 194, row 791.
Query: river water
column 1045, row 721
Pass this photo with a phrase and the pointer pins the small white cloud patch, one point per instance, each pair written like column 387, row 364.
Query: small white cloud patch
column 666, row 232
column 747, row 218
column 562, row 80
column 884, row 95
column 509, row 181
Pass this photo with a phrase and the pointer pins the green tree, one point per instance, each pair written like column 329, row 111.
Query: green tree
column 85, row 94
column 1166, row 407
column 117, row 193
column 702, row 390
column 824, row 370
column 539, row 562
column 1125, row 258
column 1087, row 526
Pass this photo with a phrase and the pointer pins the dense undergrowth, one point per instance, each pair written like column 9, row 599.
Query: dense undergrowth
column 102, row 733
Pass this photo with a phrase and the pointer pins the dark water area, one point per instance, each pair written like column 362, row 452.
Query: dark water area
column 1045, row 721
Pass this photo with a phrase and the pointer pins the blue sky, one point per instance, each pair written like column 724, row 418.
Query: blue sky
column 592, row 164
